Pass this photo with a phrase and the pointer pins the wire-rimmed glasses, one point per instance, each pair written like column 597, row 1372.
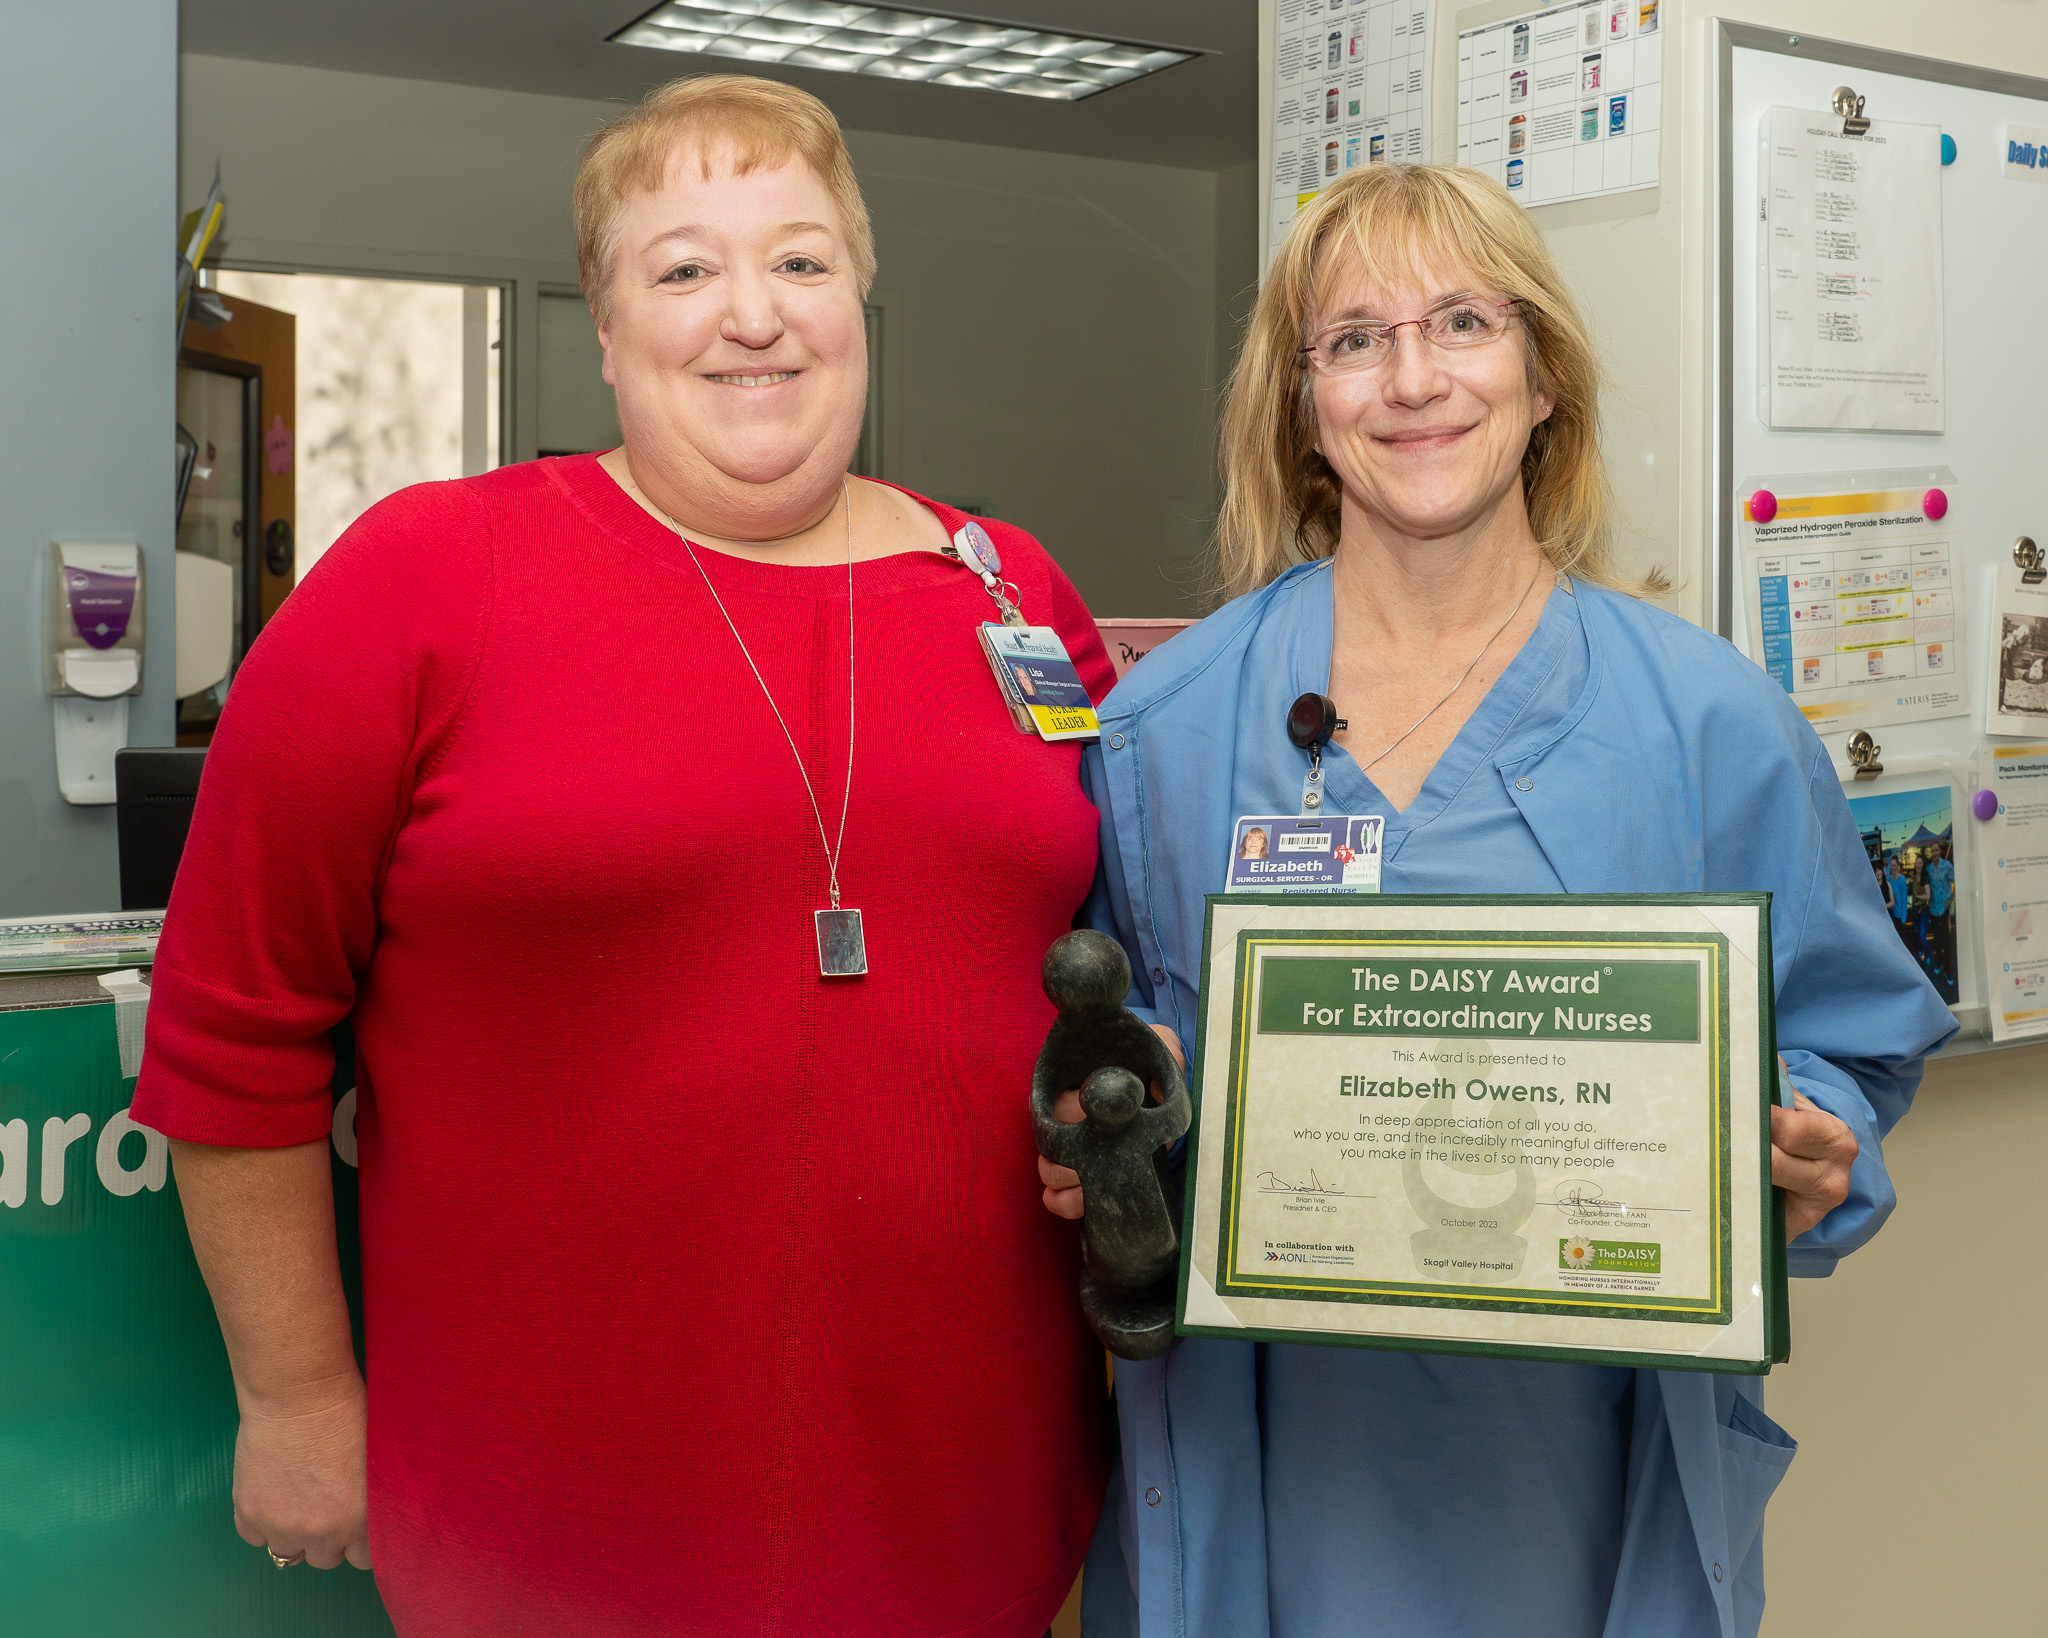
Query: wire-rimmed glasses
column 1364, row 344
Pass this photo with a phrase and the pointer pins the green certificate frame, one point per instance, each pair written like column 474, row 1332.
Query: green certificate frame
column 1523, row 1126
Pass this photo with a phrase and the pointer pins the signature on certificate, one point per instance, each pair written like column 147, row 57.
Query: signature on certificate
column 1274, row 1183
column 1577, row 1200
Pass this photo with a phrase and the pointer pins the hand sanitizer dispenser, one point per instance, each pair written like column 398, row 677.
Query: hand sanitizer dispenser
column 93, row 643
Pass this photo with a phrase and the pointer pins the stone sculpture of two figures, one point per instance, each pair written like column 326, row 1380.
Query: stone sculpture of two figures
column 1130, row 1240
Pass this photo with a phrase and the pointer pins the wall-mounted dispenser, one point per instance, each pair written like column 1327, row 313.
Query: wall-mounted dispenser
column 93, row 641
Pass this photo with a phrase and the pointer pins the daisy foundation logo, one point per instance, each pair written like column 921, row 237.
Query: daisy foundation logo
column 1584, row 1256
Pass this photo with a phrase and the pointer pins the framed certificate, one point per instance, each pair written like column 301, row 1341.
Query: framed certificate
column 1535, row 1127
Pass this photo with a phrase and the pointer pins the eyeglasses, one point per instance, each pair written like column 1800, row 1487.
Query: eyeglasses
column 1366, row 344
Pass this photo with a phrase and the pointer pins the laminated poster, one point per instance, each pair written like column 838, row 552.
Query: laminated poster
column 2012, row 863
column 1350, row 88
column 1565, row 102
column 1852, row 581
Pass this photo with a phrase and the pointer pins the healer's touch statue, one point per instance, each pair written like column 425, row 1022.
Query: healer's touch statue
column 1130, row 1246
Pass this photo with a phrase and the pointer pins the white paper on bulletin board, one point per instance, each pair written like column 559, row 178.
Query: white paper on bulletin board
column 2012, row 853
column 1853, row 585
column 1350, row 87
column 1564, row 102
column 1850, row 275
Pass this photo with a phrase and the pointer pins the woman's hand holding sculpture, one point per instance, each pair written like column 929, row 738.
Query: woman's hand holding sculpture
column 1062, row 1183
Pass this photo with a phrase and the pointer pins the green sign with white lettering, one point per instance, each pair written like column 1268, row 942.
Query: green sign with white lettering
column 117, row 1413
column 1511, row 1000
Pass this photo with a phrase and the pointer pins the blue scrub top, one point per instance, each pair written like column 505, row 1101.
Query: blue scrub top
column 1494, row 1475
column 1272, row 1491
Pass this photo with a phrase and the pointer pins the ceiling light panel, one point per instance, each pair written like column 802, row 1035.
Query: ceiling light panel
column 898, row 45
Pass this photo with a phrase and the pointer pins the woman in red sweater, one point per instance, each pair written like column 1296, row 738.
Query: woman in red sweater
column 702, row 1292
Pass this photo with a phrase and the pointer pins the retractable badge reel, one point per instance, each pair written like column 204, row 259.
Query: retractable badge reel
column 1311, row 721
column 1033, row 670
column 1313, row 850
column 973, row 547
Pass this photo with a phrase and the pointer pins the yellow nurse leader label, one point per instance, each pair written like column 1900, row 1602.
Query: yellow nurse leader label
column 1039, row 680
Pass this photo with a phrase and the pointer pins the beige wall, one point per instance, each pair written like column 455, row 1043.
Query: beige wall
column 1918, row 1503
column 1051, row 323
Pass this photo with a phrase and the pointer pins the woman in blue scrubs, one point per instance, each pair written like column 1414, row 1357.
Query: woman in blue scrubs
column 1416, row 525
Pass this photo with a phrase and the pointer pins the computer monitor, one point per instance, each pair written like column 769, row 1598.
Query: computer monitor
column 154, row 790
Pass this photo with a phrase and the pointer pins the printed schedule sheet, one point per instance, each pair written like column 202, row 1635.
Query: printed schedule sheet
column 1564, row 103
column 1851, row 275
column 1350, row 88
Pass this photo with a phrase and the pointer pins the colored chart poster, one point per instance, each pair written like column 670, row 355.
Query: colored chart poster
column 1564, row 103
column 1853, row 584
column 1350, row 88
column 2012, row 861
column 1851, row 275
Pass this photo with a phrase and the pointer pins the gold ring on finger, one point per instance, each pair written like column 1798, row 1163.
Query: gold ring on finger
column 286, row 1563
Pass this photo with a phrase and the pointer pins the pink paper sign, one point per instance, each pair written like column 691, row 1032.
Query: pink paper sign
column 1129, row 641
column 277, row 447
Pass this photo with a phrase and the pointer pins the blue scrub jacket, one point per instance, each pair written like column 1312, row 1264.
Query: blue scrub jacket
column 1681, row 769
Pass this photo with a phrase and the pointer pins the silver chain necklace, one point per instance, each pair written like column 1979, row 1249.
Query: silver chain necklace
column 1460, row 683
column 842, row 944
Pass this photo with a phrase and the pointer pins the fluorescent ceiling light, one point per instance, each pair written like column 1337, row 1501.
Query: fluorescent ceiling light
column 898, row 45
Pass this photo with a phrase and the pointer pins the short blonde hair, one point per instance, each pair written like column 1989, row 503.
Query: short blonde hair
column 1280, row 497
column 749, row 122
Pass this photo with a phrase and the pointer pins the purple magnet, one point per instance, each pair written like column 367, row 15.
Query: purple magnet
column 1935, row 504
column 1763, row 506
column 1985, row 804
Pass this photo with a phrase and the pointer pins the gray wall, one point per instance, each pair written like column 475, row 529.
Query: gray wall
column 88, row 135
column 1051, row 322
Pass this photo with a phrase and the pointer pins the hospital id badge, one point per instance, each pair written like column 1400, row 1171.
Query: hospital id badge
column 1287, row 853
column 1039, row 682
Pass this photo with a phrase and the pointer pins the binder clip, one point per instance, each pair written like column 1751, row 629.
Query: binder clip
column 1850, row 107
column 2028, row 556
column 1863, row 751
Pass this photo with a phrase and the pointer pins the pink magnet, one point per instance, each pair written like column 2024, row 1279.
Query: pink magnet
column 1763, row 506
column 1935, row 504
column 1985, row 805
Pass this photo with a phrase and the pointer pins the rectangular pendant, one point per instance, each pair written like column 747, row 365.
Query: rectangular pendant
column 842, row 947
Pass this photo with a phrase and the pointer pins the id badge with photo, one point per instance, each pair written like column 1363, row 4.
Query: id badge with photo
column 1039, row 682
column 1290, row 853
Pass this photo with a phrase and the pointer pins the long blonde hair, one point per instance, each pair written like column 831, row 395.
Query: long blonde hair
column 1281, row 498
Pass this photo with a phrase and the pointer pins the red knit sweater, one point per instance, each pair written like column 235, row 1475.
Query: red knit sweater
column 702, row 1295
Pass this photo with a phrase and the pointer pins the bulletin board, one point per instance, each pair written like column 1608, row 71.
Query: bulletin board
column 1981, row 454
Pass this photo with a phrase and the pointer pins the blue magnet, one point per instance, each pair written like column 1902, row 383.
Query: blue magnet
column 1948, row 149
